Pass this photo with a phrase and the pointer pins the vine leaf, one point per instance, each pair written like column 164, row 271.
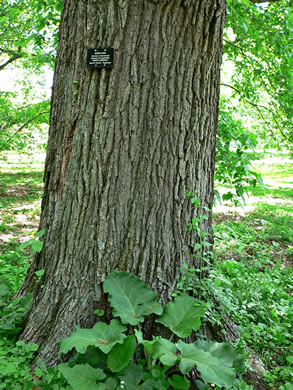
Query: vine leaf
column 182, row 316
column 101, row 335
column 212, row 369
column 83, row 376
column 121, row 354
column 130, row 297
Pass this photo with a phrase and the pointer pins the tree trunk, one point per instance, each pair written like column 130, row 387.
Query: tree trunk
column 124, row 146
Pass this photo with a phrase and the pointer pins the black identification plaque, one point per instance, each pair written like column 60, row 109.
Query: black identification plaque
column 100, row 58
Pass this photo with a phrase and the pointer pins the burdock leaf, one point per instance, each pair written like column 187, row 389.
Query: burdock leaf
column 182, row 316
column 121, row 354
column 225, row 352
column 131, row 376
column 165, row 350
column 212, row 369
column 130, row 297
column 83, row 376
column 101, row 335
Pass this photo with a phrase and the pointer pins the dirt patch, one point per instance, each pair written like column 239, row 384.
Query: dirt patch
column 20, row 192
column 227, row 216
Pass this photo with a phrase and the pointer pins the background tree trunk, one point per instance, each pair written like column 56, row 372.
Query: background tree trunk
column 124, row 146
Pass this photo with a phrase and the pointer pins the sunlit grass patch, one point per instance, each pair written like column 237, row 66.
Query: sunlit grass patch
column 279, row 192
column 276, row 171
column 277, row 221
column 278, row 181
column 21, row 188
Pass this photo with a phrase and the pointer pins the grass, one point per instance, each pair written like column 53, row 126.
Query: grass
column 278, row 179
column 21, row 187
column 253, row 262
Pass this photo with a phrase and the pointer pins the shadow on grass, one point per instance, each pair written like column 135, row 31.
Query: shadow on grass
column 20, row 187
column 13, row 178
column 280, row 192
column 278, row 171
column 278, row 221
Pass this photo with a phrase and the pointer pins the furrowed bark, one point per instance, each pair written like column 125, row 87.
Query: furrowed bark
column 124, row 146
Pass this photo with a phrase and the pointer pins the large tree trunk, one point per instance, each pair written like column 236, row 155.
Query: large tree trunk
column 124, row 146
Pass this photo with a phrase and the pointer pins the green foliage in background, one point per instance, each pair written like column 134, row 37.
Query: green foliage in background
column 233, row 160
column 28, row 32
column 28, row 40
column 15, row 358
column 258, row 43
column 15, row 355
column 255, row 288
column 19, row 124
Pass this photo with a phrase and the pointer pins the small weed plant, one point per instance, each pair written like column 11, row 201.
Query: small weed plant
column 15, row 355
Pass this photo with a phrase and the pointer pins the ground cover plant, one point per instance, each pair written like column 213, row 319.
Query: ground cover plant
column 251, row 279
column 254, row 259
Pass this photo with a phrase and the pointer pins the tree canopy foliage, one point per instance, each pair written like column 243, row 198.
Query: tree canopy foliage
column 258, row 112
column 257, row 41
column 28, row 40
column 28, row 32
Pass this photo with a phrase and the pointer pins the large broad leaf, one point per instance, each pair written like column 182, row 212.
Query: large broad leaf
column 225, row 352
column 179, row 382
column 160, row 348
column 101, row 335
column 130, row 297
column 212, row 369
column 149, row 384
column 83, row 376
column 111, row 383
column 165, row 350
column 182, row 316
column 131, row 376
column 121, row 354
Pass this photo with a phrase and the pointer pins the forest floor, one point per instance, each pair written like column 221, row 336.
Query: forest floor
column 253, row 253
column 254, row 248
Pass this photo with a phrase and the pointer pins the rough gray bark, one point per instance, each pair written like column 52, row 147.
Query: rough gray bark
column 124, row 146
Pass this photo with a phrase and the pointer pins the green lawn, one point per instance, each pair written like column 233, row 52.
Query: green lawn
column 21, row 187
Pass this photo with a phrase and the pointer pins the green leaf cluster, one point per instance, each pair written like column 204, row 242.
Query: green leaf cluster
column 19, row 123
column 11, row 315
column 235, row 145
column 28, row 32
column 15, row 361
column 116, row 355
